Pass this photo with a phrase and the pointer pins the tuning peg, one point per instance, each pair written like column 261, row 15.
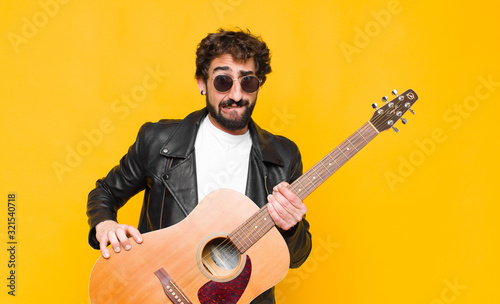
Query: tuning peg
column 385, row 99
column 395, row 92
column 375, row 106
column 404, row 121
column 395, row 129
column 412, row 112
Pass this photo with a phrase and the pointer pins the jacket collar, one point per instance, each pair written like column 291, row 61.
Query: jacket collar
column 176, row 146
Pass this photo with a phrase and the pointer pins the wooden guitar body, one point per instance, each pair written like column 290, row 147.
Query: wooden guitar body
column 183, row 251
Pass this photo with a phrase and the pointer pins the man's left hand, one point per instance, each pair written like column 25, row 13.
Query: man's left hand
column 285, row 207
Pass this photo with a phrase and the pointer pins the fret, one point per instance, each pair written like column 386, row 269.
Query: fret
column 338, row 156
column 306, row 188
column 326, row 167
column 245, row 243
column 359, row 143
column 237, row 243
column 370, row 130
column 316, row 175
column 347, row 158
column 307, row 177
column 261, row 222
column 322, row 173
column 339, row 159
column 301, row 191
column 314, row 178
column 252, row 230
column 362, row 136
column 348, row 152
column 259, row 225
column 338, row 165
column 252, row 235
column 352, row 145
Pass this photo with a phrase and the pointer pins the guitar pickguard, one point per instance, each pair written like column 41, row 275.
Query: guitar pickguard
column 226, row 292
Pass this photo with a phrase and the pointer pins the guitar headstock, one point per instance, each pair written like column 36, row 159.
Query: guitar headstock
column 387, row 116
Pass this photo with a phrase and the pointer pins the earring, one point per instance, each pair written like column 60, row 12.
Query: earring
column 201, row 92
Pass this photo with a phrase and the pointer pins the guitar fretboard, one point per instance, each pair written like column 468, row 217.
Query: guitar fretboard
column 252, row 230
column 261, row 222
column 322, row 170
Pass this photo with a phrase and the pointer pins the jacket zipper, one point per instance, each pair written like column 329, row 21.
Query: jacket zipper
column 164, row 190
column 265, row 180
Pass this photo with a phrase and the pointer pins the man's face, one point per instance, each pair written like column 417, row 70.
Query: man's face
column 230, row 111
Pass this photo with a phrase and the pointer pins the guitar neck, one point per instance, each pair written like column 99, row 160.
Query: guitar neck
column 325, row 168
column 261, row 222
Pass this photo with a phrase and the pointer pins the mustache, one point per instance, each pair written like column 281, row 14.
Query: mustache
column 230, row 102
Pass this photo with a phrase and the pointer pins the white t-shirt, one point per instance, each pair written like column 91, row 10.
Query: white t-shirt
column 221, row 159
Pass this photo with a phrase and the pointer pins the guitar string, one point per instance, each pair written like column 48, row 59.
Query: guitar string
column 226, row 243
column 354, row 140
column 195, row 268
column 397, row 102
column 354, row 143
column 337, row 152
column 244, row 229
column 334, row 154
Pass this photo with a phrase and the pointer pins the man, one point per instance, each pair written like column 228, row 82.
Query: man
column 178, row 162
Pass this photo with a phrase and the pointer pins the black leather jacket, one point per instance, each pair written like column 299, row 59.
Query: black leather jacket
column 162, row 162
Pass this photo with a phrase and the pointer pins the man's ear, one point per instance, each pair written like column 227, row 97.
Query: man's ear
column 202, row 85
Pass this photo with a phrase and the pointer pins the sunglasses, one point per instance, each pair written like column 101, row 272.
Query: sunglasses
column 224, row 83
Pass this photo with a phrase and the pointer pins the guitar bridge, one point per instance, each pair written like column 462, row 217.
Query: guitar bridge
column 173, row 292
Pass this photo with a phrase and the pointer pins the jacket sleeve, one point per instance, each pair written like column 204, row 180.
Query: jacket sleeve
column 298, row 238
column 112, row 192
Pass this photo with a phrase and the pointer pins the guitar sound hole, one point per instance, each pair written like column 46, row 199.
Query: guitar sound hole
column 224, row 255
column 220, row 259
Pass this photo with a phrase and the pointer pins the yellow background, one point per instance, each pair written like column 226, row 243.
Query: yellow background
column 411, row 219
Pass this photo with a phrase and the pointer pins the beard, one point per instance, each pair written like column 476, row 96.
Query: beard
column 236, row 123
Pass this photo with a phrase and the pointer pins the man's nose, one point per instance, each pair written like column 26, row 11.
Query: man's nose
column 236, row 92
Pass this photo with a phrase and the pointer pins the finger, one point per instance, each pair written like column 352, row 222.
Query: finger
column 290, row 203
column 282, row 185
column 274, row 214
column 284, row 207
column 289, row 195
column 135, row 234
column 114, row 241
column 103, row 245
column 122, row 237
column 280, row 216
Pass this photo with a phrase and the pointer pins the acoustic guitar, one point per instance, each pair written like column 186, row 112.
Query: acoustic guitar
column 226, row 250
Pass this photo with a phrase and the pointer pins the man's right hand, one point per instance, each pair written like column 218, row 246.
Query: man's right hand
column 110, row 232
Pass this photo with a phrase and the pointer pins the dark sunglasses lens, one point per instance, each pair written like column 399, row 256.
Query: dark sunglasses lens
column 250, row 84
column 223, row 83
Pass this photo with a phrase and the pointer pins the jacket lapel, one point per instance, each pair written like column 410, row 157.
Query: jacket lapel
column 258, row 187
column 180, row 175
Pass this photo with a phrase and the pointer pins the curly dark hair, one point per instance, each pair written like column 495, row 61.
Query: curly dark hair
column 241, row 45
